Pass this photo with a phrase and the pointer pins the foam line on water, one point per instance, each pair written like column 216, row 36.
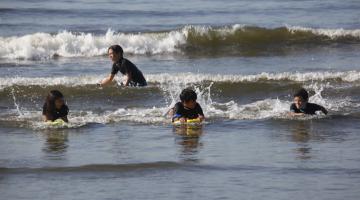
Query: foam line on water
column 331, row 33
column 166, row 78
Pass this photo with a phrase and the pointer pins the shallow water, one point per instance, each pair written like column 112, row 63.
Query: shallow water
column 244, row 59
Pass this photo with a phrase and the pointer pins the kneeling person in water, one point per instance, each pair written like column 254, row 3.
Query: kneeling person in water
column 134, row 76
column 188, row 108
column 301, row 105
column 54, row 107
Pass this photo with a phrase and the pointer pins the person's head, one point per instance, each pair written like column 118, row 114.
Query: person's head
column 188, row 98
column 55, row 100
column 115, row 52
column 301, row 97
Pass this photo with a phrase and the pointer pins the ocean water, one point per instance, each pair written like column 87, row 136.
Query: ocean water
column 245, row 59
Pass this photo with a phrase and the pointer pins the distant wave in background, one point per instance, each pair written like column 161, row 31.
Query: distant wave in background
column 230, row 40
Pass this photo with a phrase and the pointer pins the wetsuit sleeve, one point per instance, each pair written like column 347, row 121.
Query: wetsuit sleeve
column 44, row 109
column 64, row 111
column 128, row 66
column 177, row 109
column 199, row 110
column 293, row 108
column 114, row 69
column 320, row 108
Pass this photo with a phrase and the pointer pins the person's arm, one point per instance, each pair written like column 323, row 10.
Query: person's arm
column 201, row 115
column 65, row 119
column 128, row 78
column 170, row 112
column 177, row 115
column 322, row 109
column 182, row 119
column 293, row 112
column 64, row 113
column 44, row 118
column 107, row 80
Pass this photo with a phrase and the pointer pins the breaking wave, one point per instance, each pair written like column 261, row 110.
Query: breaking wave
column 238, row 39
column 187, row 78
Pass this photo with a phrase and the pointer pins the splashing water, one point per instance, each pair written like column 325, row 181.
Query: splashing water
column 171, row 87
column 17, row 107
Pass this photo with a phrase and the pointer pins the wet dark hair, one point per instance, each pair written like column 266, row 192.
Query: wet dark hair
column 187, row 95
column 303, row 94
column 117, row 49
column 50, row 103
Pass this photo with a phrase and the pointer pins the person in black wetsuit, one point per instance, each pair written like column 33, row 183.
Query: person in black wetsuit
column 188, row 108
column 134, row 76
column 54, row 107
column 301, row 106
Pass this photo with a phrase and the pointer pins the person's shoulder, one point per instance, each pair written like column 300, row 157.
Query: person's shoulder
column 44, row 108
column 198, row 105
column 115, row 66
column 178, row 104
column 178, row 107
column 127, row 62
column 65, row 108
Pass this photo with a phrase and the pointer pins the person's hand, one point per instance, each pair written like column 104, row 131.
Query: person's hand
column 124, row 83
column 292, row 114
column 182, row 120
column 201, row 118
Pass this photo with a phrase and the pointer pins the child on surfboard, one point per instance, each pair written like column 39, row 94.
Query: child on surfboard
column 54, row 107
column 188, row 108
column 301, row 106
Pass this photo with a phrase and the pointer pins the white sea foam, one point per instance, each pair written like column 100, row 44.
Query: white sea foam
column 348, row 76
column 68, row 44
column 186, row 78
column 331, row 33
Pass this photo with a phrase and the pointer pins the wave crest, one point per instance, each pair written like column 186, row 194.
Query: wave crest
column 187, row 78
column 240, row 39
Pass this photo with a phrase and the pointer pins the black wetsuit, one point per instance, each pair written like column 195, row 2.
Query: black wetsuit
column 63, row 112
column 126, row 67
column 310, row 109
column 181, row 111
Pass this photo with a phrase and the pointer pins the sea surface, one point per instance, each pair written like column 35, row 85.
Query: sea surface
column 244, row 58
